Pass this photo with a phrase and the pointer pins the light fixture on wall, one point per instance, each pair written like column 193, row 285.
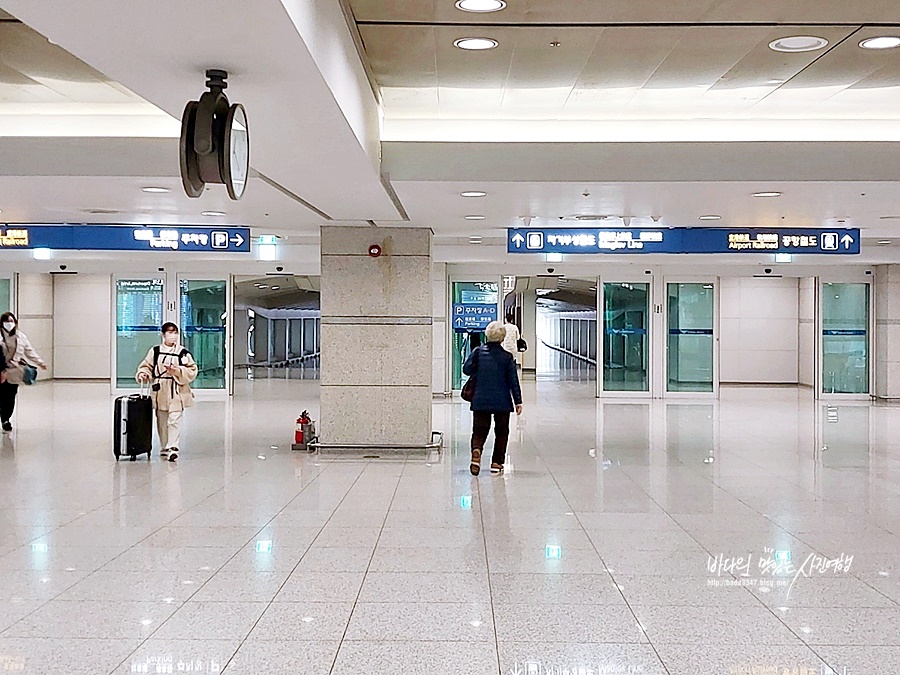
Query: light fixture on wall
column 554, row 257
column 710, row 217
column 267, row 248
column 42, row 253
column 784, row 258
column 475, row 217
column 473, row 193
column 213, row 214
column 766, row 194
column 156, row 190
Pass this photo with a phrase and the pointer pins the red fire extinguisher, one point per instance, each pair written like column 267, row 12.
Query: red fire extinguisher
column 302, row 423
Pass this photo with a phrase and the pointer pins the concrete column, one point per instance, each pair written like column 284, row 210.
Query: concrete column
column 441, row 332
column 377, row 336
column 886, row 357
column 807, row 333
column 35, row 313
column 529, row 332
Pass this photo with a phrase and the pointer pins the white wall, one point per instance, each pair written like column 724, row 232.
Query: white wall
column 34, row 309
column 440, row 331
column 82, row 339
column 807, row 336
column 759, row 339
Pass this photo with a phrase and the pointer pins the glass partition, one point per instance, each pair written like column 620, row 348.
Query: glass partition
column 845, row 338
column 626, row 309
column 5, row 295
column 690, row 353
column 203, row 307
column 139, row 315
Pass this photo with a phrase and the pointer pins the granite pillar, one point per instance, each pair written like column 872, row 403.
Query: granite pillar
column 376, row 376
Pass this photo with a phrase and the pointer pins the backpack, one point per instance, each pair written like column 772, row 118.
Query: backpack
column 157, row 353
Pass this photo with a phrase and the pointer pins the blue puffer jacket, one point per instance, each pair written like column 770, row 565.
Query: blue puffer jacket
column 496, row 380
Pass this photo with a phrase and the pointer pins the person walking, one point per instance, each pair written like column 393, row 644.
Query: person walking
column 170, row 369
column 497, row 394
column 17, row 353
column 511, row 341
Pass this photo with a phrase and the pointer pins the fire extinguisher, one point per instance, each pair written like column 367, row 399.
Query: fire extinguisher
column 302, row 421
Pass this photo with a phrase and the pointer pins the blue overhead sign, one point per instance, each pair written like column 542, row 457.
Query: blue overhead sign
column 125, row 238
column 684, row 240
column 472, row 317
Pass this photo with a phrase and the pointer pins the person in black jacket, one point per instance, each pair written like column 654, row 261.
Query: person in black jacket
column 497, row 393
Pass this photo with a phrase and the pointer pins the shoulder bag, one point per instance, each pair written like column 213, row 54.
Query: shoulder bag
column 468, row 390
column 521, row 345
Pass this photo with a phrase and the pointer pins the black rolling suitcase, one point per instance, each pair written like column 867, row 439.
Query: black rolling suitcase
column 133, row 426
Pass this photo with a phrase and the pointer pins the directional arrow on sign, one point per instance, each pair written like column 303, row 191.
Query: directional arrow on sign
column 846, row 240
column 518, row 240
column 459, row 322
column 237, row 240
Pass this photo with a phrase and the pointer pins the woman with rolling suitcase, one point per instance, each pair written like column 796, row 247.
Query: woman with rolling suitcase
column 169, row 368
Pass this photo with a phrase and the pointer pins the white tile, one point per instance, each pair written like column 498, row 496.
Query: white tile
column 303, row 621
column 155, row 655
column 90, row 619
column 415, row 658
column 282, row 658
column 211, row 621
column 54, row 655
column 405, row 621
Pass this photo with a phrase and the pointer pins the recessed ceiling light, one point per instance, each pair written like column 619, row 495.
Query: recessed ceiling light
column 591, row 217
column 275, row 288
column 156, row 190
column 262, row 286
column 766, row 194
column 776, row 81
column 884, row 242
column 480, row 5
column 883, row 42
column 475, row 217
column 798, row 43
column 475, row 43
column 212, row 213
column 473, row 193
column 710, row 217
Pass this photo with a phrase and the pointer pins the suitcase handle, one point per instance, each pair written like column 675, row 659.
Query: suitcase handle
column 141, row 389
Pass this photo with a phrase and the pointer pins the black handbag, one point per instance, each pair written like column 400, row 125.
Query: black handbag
column 468, row 390
column 521, row 345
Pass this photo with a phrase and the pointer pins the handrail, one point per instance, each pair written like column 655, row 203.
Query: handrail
column 284, row 363
column 592, row 362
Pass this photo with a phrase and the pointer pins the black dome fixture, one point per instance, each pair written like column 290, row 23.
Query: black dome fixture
column 215, row 141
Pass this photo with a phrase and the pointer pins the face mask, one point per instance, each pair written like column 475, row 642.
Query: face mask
column 170, row 338
column 9, row 326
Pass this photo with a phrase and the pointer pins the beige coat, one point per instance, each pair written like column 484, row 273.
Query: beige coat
column 174, row 392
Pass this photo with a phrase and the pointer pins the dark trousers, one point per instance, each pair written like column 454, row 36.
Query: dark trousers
column 481, row 426
column 7, row 400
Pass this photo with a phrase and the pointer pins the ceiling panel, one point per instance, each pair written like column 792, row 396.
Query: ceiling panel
column 636, row 11
column 761, row 65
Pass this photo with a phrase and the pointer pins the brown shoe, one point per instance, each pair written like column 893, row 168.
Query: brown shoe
column 496, row 468
column 475, row 464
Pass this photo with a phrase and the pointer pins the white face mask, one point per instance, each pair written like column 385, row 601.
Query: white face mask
column 170, row 338
column 9, row 326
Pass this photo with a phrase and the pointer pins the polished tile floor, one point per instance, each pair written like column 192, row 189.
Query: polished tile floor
column 625, row 537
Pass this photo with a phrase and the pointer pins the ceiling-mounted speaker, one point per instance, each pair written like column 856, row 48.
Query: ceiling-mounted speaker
column 215, row 141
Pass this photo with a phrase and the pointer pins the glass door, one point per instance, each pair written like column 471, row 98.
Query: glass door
column 625, row 338
column 845, row 346
column 139, row 315
column 691, row 353
column 200, row 307
column 203, row 310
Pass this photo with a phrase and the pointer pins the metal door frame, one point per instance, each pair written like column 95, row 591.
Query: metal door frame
column 651, row 335
column 661, row 310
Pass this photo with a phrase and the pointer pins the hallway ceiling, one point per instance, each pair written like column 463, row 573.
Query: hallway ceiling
column 649, row 61
column 625, row 71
